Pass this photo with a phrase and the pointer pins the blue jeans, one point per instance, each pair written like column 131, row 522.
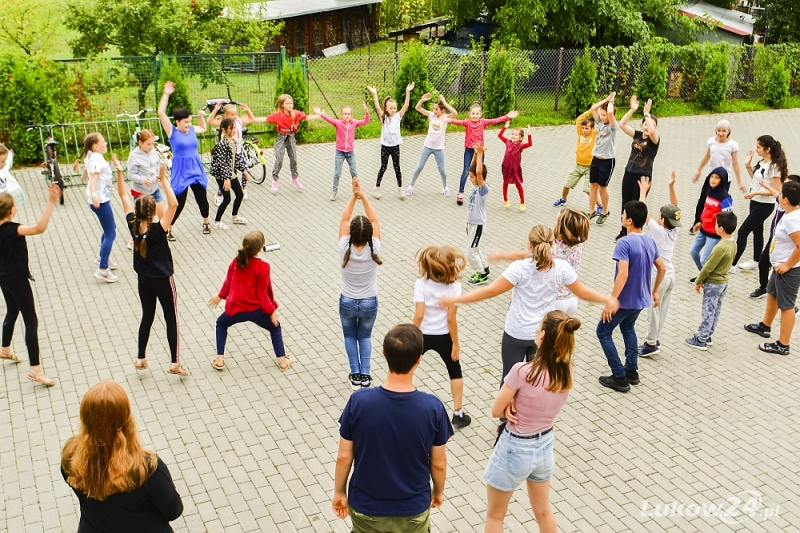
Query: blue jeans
column 701, row 249
column 423, row 158
column 257, row 317
column 358, row 318
column 626, row 320
column 468, row 153
column 106, row 217
column 340, row 158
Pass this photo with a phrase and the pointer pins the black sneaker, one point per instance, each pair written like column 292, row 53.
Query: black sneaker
column 366, row 380
column 461, row 421
column 633, row 377
column 593, row 214
column 355, row 381
column 758, row 293
column 601, row 219
column 774, row 347
column 618, row 384
column 620, row 235
column 692, row 280
column 759, row 329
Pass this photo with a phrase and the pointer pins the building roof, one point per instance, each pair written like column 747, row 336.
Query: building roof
column 285, row 9
column 729, row 20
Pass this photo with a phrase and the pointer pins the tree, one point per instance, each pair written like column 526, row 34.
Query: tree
column 292, row 82
column 653, row 84
column 499, row 83
column 780, row 21
column 715, row 82
column 29, row 26
column 172, row 71
column 776, row 89
column 581, row 85
column 413, row 68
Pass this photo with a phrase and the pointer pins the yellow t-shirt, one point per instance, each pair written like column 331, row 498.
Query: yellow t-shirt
column 583, row 152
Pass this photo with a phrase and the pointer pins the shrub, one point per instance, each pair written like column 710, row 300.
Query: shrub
column 653, row 84
column 413, row 67
column 776, row 89
column 172, row 71
column 499, row 84
column 581, row 85
column 715, row 82
column 292, row 82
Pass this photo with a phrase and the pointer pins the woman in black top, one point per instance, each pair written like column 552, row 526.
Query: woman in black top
column 225, row 166
column 152, row 261
column 121, row 487
column 15, row 282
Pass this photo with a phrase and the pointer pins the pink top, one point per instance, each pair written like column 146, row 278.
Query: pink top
column 537, row 408
column 475, row 128
column 345, row 132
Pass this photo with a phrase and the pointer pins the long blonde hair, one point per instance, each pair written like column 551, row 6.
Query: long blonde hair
column 554, row 357
column 106, row 456
column 541, row 241
column 442, row 264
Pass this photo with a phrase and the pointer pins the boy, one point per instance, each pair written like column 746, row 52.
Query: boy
column 583, row 156
column 603, row 158
column 636, row 254
column 664, row 231
column 717, row 200
column 713, row 278
column 476, row 217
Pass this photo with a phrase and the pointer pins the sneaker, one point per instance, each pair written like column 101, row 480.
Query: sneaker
column 694, row 342
column 758, row 293
column 647, row 349
column 130, row 244
column 111, row 264
column 409, row 191
column 446, row 192
column 732, row 270
column 366, row 381
column 709, row 342
column 593, row 214
column 759, row 329
column 218, row 199
column 400, row 193
column 171, row 237
column 559, row 202
column 333, row 196
column 601, row 219
column 377, row 193
column 461, row 421
column 692, row 280
column 618, row 384
column 599, row 210
column 245, row 194
column 507, row 204
column 220, row 225
column 521, row 208
column 479, row 278
column 633, row 377
column 774, row 347
column 274, row 185
column 460, row 198
column 692, row 231
column 106, row 275
column 296, row 183
column 748, row 265
column 355, row 381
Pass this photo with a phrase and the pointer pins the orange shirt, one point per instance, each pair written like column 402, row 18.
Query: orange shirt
column 583, row 152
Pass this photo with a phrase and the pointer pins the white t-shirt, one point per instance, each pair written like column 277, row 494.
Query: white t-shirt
column 431, row 292
column 390, row 130
column 95, row 163
column 764, row 172
column 722, row 155
column 534, row 294
column 782, row 244
column 360, row 276
column 665, row 241
column 436, row 131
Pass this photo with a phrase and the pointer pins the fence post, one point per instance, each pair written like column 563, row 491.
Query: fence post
column 281, row 60
column 558, row 76
column 158, row 61
column 304, row 62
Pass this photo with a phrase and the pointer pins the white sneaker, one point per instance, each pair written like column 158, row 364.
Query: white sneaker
column 111, row 264
column 106, row 275
column 377, row 193
column 409, row 191
column 218, row 199
column 130, row 246
column 748, row 265
column 245, row 194
column 732, row 270
column 333, row 196
column 400, row 193
column 446, row 191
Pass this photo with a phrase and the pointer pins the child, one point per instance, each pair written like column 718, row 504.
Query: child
column 434, row 141
column 7, row 182
column 476, row 217
column 717, row 201
column 571, row 230
column 512, row 163
column 440, row 268
column 98, row 192
column 224, row 167
column 664, row 231
column 144, row 165
column 635, row 255
column 390, row 136
column 345, row 141
column 713, row 278
column 248, row 296
column 287, row 122
column 229, row 111
column 475, row 126
column 603, row 158
column 584, row 125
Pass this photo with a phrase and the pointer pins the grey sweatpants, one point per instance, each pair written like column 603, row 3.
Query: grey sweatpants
column 289, row 143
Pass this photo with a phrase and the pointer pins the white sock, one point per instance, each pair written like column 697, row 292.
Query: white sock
column 459, row 413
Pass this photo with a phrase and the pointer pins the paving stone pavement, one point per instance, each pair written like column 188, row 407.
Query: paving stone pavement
column 253, row 448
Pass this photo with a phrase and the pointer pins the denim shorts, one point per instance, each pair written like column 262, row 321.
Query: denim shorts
column 157, row 195
column 515, row 460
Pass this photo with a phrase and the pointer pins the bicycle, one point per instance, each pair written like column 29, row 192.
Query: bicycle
column 52, row 172
column 164, row 151
column 253, row 154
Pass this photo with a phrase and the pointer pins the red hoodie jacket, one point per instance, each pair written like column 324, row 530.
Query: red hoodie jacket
column 248, row 289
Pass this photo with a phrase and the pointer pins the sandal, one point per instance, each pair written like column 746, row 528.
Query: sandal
column 8, row 356
column 206, row 229
column 219, row 225
column 238, row 220
column 41, row 378
column 140, row 364
column 171, row 237
column 287, row 362
column 218, row 363
column 176, row 368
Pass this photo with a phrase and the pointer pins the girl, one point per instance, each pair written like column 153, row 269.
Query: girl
column 512, row 163
column 475, row 125
column 287, row 121
column 434, row 142
column 390, row 136
column 772, row 167
column 7, row 182
column 570, row 232
column 144, row 166
column 152, row 262
column 187, row 168
column 229, row 111
column 359, row 252
column 15, row 282
column 98, row 192
column 440, row 268
column 531, row 398
column 345, row 141
column 248, row 296
column 121, row 486
column 534, row 283
column 225, row 164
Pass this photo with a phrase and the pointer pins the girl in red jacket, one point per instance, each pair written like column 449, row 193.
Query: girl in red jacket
column 247, row 292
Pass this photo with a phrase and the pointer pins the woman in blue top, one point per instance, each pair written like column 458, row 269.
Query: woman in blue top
column 187, row 169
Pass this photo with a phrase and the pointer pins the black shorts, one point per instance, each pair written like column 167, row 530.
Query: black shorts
column 600, row 171
column 443, row 345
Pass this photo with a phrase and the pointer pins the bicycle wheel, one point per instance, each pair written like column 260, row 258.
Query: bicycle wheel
column 55, row 177
column 255, row 167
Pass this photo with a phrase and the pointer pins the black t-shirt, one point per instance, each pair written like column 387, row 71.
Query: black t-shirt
column 13, row 254
column 643, row 152
column 158, row 263
column 150, row 508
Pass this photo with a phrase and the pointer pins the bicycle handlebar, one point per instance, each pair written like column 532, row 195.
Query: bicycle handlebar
column 137, row 115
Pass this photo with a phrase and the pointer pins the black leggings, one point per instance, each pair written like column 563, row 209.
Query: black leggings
column 764, row 265
column 754, row 223
column 19, row 299
column 701, row 202
column 199, row 196
column 163, row 290
column 387, row 151
column 515, row 351
column 226, row 198
column 630, row 190
column 443, row 345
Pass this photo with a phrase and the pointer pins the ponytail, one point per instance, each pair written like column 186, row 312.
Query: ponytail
column 776, row 154
column 88, row 143
column 144, row 209
column 384, row 117
column 541, row 242
column 554, row 357
column 360, row 234
column 252, row 243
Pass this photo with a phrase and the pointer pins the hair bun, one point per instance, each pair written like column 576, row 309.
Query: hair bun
column 572, row 324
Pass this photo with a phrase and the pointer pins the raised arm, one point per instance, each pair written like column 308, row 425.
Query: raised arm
column 595, row 109
column 529, row 142
column 172, row 201
column 501, row 134
column 644, row 187
column 480, row 149
column 375, row 101
column 418, row 107
column 453, row 113
column 369, row 211
column 250, row 118
column 347, row 214
column 651, row 124
column 40, row 226
column 673, row 196
column 213, row 119
column 169, row 88
column 317, row 111
column 201, row 120
column 123, row 194
column 365, row 120
column 623, row 123
column 409, row 88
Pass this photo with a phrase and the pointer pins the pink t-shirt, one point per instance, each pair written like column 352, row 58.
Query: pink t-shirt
column 537, row 408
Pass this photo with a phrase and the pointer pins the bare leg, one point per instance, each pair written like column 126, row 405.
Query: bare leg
column 564, row 193
column 787, row 325
column 539, row 494
column 604, row 199
column 496, row 509
column 457, row 388
column 593, row 197
column 771, row 310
